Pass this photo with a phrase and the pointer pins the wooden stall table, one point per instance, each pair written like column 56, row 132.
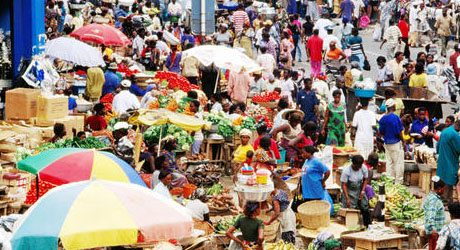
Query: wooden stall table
column 366, row 241
column 219, row 148
column 426, row 172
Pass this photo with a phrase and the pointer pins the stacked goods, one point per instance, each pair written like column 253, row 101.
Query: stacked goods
column 52, row 107
column 21, row 103
column 222, row 202
column 183, row 139
column 204, row 175
column 266, row 97
column 174, row 81
column 255, row 110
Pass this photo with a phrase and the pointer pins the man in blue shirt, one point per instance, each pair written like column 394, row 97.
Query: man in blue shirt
column 448, row 149
column 418, row 125
column 308, row 102
column 112, row 81
column 391, row 128
column 314, row 176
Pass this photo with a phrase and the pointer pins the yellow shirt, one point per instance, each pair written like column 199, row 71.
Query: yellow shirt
column 399, row 106
column 241, row 151
column 94, row 81
column 418, row 81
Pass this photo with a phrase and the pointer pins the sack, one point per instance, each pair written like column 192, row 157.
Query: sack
column 364, row 21
column 377, row 33
column 297, row 201
column 367, row 66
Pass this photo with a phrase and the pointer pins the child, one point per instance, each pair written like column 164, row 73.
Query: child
column 406, row 74
column 434, row 211
column 249, row 156
column 215, row 100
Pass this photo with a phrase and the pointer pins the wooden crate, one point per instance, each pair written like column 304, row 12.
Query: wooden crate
column 425, row 181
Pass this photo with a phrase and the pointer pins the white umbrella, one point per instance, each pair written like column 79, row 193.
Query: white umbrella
column 74, row 51
column 223, row 57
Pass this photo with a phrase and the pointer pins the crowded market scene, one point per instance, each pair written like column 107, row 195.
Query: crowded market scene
column 222, row 124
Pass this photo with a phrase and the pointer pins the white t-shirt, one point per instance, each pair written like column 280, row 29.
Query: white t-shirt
column 197, row 209
column 286, row 89
column 198, row 134
column 349, row 175
column 124, row 101
column 364, row 120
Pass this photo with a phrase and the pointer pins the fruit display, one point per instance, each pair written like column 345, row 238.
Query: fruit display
column 173, row 80
column 266, row 97
column 280, row 245
column 183, row 139
column 400, row 204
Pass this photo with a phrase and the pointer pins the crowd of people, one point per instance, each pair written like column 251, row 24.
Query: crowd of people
column 313, row 108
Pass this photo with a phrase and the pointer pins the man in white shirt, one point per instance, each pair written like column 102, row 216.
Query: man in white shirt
column 364, row 123
column 162, row 46
column 266, row 61
column 138, row 43
column 125, row 100
column 330, row 38
column 174, row 8
column 321, row 25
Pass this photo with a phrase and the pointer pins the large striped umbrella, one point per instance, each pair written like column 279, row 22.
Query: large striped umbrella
column 66, row 165
column 99, row 213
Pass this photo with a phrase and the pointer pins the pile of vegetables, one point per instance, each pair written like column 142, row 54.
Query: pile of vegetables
column 214, row 189
column 223, row 201
column 399, row 202
column 89, row 143
column 183, row 139
column 224, row 124
column 265, row 119
column 266, row 97
column 204, row 175
column 255, row 110
column 173, row 81
column 225, row 223
column 280, row 245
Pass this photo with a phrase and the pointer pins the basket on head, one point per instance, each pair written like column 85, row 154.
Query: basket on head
column 315, row 214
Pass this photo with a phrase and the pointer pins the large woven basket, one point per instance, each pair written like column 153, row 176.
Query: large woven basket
column 314, row 214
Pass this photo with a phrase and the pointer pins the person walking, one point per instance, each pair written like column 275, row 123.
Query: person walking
column 391, row 128
column 355, row 42
column 308, row 102
column 404, row 28
column 95, row 80
column 448, row 149
column 312, row 9
column 314, row 51
column 391, row 38
column 346, row 10
column 443, row 25
column 434, row 212
column 364, row 123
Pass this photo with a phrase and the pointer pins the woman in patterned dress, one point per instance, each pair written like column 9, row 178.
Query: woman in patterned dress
column 335, row 121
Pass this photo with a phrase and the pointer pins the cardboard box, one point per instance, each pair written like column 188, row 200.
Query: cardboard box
column 52, row 107
column 21, row 103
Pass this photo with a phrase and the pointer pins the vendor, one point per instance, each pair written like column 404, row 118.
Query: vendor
column 314, row 176
column 97, row 121
column 434, row 211
column 418, row 125
column 197, row 207
column 264, row 157
column 123, row 146
column 283, row 212
column 289, row 130
column 169, row 146
column 125, row 100
column 354, row 181
column 251, row 228
column 241, row 151
column 302, row 140
column 282, row 107
column 59, row 132
column 162, row 187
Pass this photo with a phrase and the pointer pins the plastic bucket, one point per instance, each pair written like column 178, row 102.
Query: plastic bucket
column 283, row 156
column 262, row 178
column 188, row 190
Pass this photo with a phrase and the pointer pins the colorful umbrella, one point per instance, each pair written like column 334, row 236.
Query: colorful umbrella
column 101, row 34
column 66, row 165
column 74, row 51
column 98, row 213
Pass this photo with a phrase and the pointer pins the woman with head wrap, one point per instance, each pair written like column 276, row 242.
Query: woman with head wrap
column 289, row 130
column 243, row 152
column 251, row 228
column 332, row 244
column 318, row 244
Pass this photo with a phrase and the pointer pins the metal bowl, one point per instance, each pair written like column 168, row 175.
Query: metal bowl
column 254, row 193
column 83, row 108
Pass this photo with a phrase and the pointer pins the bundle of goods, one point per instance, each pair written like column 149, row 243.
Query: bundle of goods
column 266, row 97
column 223, row 223
column 204, row 174
column 400, row 204
column 222, row 202
column 174, row 81
column 426, row 155
column 183, row 139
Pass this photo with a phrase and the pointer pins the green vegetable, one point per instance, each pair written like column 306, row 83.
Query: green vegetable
column 215, row 189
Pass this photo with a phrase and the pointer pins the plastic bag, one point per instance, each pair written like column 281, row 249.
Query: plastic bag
column 377, row 33
column 364, row 21
column 328, row 198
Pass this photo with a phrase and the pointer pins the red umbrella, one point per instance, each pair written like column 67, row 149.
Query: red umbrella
column 101, row 34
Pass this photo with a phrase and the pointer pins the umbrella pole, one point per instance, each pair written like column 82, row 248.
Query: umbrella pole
column 37, row 187
column 217, row 81
column 159, row 142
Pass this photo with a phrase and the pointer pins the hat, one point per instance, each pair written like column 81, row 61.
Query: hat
column 152, row 38
column 113, row 66
column 245, row 132
column 431, row 69
column 268, row 22
column 121, row 125
column 224, row 25
column 289, row 112
column 390, row 103
column 126, row 83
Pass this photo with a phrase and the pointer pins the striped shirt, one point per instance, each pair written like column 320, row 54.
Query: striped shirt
column 434, row 213
column 239, row 18
column 355, row 44
column 392, row 35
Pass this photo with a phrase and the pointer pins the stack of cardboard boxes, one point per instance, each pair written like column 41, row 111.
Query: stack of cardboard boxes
column 36, row 109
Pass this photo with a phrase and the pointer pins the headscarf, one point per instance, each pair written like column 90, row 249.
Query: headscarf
column 320, row 239
column 246, row 132
column 331, row 243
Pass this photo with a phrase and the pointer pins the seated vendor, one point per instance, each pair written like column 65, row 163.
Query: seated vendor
column 97, row 121
column 161, row 164
column 197, row 207
column 264, row 156
column 354, row 181
column 59, row 132
column 251, row 228
column 239, row 156
column 123, row 146
column 169, row 147
column 163, row 186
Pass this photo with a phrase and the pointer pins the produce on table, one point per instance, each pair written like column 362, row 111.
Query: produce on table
column 264, row 118
column 266, row 97
column 173, row 80
column 223, row 201
column 224, row 124
column 336, row 209
column 280, row 245
column 400, row 204
column 183, row 139
column 247, row 122
column 214, row 189
column 197, row 157
column 255, row 110
column 204, row 174
column 223, row 224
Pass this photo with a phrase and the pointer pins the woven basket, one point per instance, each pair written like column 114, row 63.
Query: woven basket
column 270, row 231
column 314, row 214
